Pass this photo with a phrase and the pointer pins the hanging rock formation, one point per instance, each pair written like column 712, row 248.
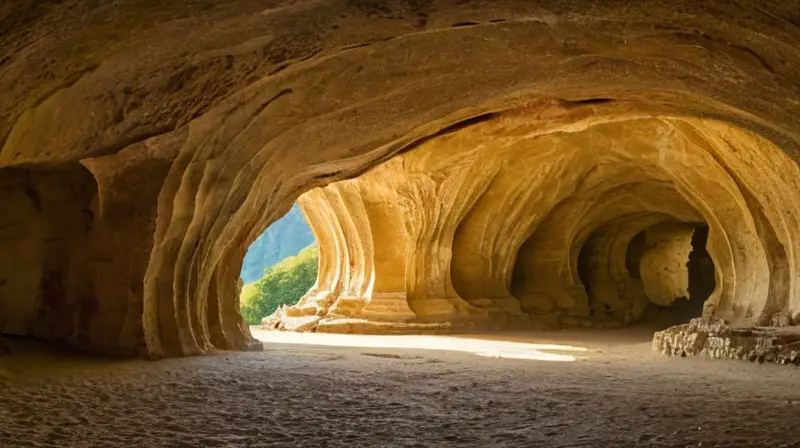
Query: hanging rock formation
column 514, row 152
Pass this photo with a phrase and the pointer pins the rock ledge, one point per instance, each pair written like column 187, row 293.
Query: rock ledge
column 723, row 341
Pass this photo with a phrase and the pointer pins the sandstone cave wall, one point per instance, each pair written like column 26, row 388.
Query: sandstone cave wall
column 46, row 220
column 502, row 249
column 202, row 122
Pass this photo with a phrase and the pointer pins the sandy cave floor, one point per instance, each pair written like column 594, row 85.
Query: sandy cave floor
column 615, row 393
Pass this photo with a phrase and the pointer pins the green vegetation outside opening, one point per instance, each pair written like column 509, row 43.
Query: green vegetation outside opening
column 282, row 284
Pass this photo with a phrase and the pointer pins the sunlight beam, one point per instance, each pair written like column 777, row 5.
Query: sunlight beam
column 480, row 347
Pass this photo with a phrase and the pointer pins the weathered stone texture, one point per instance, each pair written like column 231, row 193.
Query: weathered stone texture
column 494, row 248
column 721, row 341
column 144, row 145
column 664, row 266
column 43, row 268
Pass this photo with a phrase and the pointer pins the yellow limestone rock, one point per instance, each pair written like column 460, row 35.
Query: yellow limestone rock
column 473, row 241
column 495, row 174
column 664, row 266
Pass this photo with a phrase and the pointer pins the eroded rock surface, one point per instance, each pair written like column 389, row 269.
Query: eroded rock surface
column 721, row 341
column 475, row 242
column 163, row 138
column 664, row 266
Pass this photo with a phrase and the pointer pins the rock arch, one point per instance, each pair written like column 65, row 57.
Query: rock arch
column 226, row 126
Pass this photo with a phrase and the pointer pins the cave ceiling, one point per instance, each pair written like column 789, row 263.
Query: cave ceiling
column 462, row 163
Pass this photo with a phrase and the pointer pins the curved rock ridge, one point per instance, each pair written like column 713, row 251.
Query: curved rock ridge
column 587, row 226
column 164, row 137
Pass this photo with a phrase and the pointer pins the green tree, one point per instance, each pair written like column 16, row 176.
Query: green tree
column 284, row 238
column 282, row 284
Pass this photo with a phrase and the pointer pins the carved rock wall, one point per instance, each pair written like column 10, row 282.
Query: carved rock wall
column 664, row 266
column 497, row 247
column 45, row 232
column 201, row 122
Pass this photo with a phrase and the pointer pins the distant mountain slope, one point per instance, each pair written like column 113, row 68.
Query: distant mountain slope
column 284, row 238
column 282, row 284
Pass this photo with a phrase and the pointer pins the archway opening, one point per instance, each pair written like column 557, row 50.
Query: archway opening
column 547, row 232
column 279, row 268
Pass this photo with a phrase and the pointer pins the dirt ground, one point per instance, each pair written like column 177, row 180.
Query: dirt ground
column 562, row 389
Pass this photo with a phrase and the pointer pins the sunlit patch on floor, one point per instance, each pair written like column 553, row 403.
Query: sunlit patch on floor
column 480, row 347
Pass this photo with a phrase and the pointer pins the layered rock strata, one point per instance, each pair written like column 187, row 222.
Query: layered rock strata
column 720, row 341
column 588, row 227
column 144, row 146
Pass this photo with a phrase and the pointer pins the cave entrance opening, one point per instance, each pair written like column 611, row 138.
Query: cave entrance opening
column 279, row 268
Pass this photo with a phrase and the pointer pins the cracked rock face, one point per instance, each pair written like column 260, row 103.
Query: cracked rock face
column 720, row 341
column 514, row 153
